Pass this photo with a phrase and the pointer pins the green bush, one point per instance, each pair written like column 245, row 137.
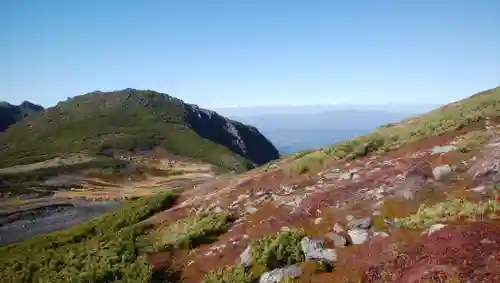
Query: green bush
column 450, row 210
column 278, row 250
column 105, row 249
column 232, row 274
column 190, row 232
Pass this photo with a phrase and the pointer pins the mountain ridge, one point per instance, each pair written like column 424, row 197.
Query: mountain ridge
column 11, row 114
column 413, row 201
column 133, row 119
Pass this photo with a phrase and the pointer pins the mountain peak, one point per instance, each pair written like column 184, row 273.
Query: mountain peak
column 132, row 119
column 11, row 114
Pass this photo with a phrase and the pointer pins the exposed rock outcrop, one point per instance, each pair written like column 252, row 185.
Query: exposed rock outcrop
column 243, row 139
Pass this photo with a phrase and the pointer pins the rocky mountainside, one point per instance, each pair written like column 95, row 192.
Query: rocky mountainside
column 134, row 120
column 412, row 202
column 10, row 114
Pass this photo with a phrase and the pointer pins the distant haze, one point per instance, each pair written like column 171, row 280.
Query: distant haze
column 298, row 128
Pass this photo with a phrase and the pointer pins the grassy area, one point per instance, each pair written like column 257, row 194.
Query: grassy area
column 390, row 137
column 190, row 232
column 454, row 209
column 472, row 140
column 105, row 249
column 123, row 120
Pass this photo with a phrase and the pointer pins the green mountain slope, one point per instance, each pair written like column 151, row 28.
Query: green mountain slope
column 134, row 120
column 480, row 107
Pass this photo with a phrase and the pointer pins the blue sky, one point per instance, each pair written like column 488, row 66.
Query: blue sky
column 261, row 52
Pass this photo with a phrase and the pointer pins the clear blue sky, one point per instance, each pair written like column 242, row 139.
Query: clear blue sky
column 260, row 52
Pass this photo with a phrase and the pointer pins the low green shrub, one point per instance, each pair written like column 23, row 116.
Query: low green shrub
column 232, row 274
column 472, row 140
column 454, row 209
column 278, row 250
column 105, row 249
column 190, row 232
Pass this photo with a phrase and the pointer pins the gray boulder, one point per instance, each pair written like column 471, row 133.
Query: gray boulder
column 338, row 228
column 358, row 236
column 314, row 250
column 434, row 228
column 276, row 275
column 441, row 172
column 364, row 223
column 246, row 257
column 338, row 240
column 443, row 149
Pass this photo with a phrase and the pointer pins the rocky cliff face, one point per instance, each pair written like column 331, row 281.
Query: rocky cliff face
column 243, row 139
column 10, row 114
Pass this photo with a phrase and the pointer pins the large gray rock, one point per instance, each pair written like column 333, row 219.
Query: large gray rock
column 443, row 149
column 363, row 223
column 358, row 236
column 276, row 275
column 338, row 240
column 441, row 172
column 246, row 257
column 337, row 228
column 406, row 194
column 314, row 250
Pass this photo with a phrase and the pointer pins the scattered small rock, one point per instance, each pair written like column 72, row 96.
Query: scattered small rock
column 363, row 223
column 478, row 189
column 345, row 176
column 276, row 275
column 380, row 234
column 250, row 209
column 246, row 257
column 434, row 228
column 358, row 236
column 391, row 223
column 407, row 194
column 331, row 176
column 443, row 149
column 242, row 197
column 338, row 240
column 313, row 249
column 337, row 228
column 441, row 172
